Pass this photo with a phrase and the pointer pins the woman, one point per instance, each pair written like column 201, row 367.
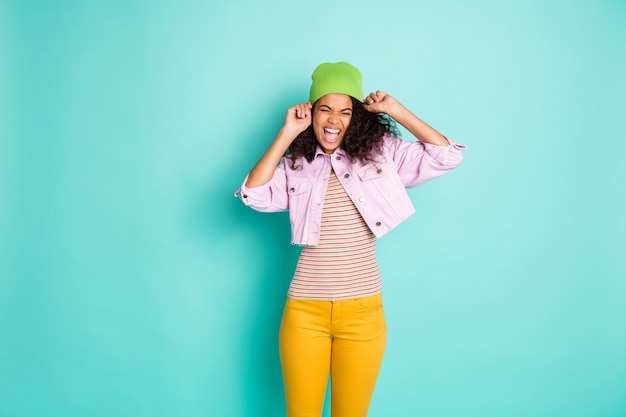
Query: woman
column 339, row 168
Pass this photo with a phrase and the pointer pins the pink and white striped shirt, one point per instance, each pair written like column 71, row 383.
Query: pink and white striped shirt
column 343, row 265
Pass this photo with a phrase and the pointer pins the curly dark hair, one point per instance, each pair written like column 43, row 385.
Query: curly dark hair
column 363, row 141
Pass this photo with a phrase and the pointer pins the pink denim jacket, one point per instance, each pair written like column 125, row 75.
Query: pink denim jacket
column 377, row 189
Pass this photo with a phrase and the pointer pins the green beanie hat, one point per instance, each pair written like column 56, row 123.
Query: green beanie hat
column 339, row 77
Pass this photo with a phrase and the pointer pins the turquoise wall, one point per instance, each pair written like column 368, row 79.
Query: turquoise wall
column 133, row 283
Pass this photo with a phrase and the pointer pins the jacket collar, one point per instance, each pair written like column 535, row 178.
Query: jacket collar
column 320, row 151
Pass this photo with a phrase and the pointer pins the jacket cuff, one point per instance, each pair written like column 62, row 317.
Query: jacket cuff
column 445, row 154
column 253, row 195
column 429, row 146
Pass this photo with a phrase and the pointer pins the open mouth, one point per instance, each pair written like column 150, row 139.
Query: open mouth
column 331, row 135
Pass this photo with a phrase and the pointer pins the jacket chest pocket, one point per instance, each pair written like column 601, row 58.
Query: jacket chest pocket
column 380, row 180
column 299, row 194
column 369, row 173
column 378, row 175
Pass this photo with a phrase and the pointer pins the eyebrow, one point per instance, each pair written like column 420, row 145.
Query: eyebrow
column 329, row 108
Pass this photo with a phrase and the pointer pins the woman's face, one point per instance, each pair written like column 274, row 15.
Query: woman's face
column 331, row 117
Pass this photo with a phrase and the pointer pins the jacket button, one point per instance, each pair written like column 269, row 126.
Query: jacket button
column 361, row 199
column 346, row 176
column 245, row 196
column 291, row 190
column 338, row 158
column 378, row 223
column 379, row 171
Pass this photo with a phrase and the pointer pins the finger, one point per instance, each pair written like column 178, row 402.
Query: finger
column 303, row 110
column 306, row 110
column 375, row 97
column 299, row 112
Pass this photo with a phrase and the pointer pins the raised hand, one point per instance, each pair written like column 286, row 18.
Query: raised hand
column 298, row 117
column 380, row 102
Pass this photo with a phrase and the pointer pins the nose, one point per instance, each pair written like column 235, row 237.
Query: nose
column 332, row 117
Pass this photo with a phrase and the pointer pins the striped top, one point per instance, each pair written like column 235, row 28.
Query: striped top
column 343, row 265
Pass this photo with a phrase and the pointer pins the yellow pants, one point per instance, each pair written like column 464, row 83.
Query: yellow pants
column 346, row 338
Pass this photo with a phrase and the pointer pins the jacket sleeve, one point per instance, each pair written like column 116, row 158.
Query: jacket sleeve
column 268, row 197
column 419, row 162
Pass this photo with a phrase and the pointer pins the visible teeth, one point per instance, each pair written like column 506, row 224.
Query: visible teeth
column 331, row 130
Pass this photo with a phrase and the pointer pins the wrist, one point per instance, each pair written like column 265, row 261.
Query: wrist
column 287, row 134
column 397, row 111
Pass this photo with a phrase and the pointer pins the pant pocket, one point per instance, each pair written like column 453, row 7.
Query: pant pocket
column 373, row 302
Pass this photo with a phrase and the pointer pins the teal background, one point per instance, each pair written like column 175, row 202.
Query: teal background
column 133, row 283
